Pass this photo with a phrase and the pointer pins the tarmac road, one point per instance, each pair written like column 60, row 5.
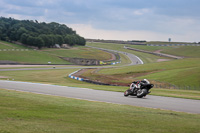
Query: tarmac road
column 166, row 103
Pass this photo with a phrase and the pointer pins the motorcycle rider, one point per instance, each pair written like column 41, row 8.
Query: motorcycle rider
column 138, row 84
column 144, row 82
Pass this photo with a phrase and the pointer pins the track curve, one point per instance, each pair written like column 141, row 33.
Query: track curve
column 166, row 103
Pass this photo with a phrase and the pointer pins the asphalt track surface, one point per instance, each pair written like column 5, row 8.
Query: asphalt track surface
column 158, row 102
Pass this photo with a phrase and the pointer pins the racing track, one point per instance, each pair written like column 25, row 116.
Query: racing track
column 167, row 103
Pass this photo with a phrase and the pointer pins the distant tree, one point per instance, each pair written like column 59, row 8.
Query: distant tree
column 38, row 42
column 30, row 40
column 82, row 41
column 23, row 38
column 20, row 31
column 67, row 39
column 37, row 34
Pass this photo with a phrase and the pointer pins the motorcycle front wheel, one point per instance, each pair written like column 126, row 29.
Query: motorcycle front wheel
column 126, row 93
column 141, row 93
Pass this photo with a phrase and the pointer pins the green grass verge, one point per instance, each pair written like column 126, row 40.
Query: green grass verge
column 183, row 72
column 187, row 94
column 177, row 72
column 160, row 42
column 8, row 45
column 148, row 48
column 48, row 55
column 2, row 46
column 26, row 112
column 186, row 51
column 80, row 52
column 31, row 57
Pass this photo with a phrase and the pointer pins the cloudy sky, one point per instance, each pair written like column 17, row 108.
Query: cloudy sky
column 151, row 20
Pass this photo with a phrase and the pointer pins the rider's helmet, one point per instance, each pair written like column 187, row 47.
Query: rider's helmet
column 147, row 81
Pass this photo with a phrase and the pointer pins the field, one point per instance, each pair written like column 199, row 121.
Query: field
column 22, row 112
column 181, row 73
column 186, row 51
column 30, row 57
column 170, row 72
column 8, row 45
column 81, row 52
column 26, row 112
column 24, row 55
column 146, row 58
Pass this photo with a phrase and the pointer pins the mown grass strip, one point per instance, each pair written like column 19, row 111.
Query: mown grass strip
column 26, row 112
column 31, row 57
column 186, row 51
column 8, row 45
column 80, row 52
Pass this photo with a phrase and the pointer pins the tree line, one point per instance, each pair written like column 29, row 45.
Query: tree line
column 37, row 34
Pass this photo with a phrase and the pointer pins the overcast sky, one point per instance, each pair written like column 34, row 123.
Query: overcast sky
column 151, row 20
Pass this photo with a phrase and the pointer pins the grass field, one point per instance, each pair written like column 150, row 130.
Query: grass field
column 81, row 52
column 8, row 45
column 26, row 112
column 146, row 58
column 186, row 51
column 14, row 53
column 160, row 42
column 31, row 57
column 185, row 72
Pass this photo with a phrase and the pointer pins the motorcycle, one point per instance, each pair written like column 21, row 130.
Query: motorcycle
column 139, row 92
